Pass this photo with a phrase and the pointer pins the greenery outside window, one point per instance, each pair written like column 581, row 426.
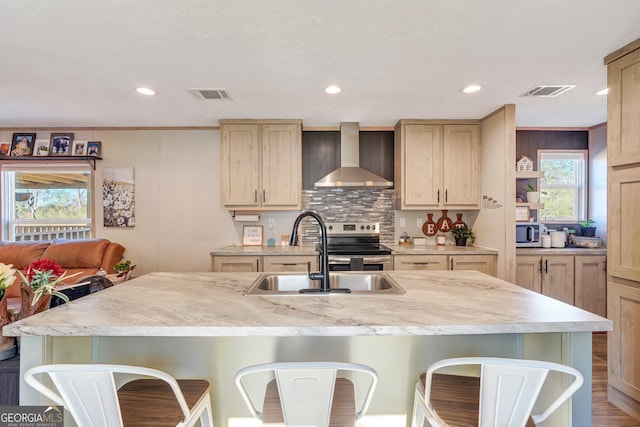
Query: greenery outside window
column 564, row 185
column 45, row 202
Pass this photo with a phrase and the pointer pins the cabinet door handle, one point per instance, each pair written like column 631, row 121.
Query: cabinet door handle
column 604, row 265
column 438, row 196
column 258, row 265
column 451, row 262
column 446, row 195
column 264, row 196
column 546, row 266
column 255, row 196
column 540, row 266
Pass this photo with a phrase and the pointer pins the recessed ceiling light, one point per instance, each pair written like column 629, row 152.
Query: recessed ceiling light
column 145, row 91
column 471, row 88
column 332, row 90
column 604, row 91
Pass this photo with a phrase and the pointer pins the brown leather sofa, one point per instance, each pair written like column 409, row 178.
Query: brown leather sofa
column 85, row 256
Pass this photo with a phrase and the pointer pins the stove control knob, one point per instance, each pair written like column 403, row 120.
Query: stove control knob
column 362, row 227
column 373, row 227
column 330, row 227
column 368, row 227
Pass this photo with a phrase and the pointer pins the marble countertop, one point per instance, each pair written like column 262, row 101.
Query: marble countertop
column 570, row 250
column 214, row 304
column 439, row 250
column 311, row 250
column 264, row 250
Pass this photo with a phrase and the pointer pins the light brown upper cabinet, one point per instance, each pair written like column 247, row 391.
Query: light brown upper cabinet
column 436, row 165
column 623, row 103
column 261, row 164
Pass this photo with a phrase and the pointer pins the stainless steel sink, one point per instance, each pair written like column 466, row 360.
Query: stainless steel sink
column 358, row 283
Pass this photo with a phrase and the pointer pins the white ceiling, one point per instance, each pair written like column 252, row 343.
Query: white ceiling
column 75, row 63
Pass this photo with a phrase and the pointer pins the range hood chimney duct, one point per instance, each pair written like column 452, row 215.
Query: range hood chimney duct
column 350, row 174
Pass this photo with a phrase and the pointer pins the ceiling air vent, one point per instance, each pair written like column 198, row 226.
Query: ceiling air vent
column 211, row 94
column 548, row 91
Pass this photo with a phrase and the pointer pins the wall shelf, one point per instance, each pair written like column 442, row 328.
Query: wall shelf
column 89, row 159
column 529, row 174
column 532, row 205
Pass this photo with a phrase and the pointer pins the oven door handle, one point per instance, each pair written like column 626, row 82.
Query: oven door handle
column 365, row 260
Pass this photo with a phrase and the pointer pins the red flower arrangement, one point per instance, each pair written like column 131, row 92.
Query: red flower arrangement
column 43, row 264
column 42, row 276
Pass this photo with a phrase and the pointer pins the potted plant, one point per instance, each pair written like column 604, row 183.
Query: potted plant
column 124, row 269
column 533, row 196
column 461, row 235
column 587, row 229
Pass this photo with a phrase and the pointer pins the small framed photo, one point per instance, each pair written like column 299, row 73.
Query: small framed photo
column 252, row 235
column 522, row 213
column 94, row 148
column 41, row 148
column 5, row 148
column 79, row 148
column 22, row 144
column 60, row 144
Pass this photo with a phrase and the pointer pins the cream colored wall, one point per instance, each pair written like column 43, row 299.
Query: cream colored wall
column 178, row 215
column 494, row 228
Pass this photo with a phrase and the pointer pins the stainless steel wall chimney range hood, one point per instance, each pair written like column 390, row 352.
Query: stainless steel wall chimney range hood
column 350, row 174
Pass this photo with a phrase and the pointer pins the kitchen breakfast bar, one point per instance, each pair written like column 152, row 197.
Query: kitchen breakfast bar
column 202, row 325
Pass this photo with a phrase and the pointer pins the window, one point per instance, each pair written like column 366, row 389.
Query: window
column 564, row 185
column 45, row 202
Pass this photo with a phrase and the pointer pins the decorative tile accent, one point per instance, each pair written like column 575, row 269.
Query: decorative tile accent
column 349, row 205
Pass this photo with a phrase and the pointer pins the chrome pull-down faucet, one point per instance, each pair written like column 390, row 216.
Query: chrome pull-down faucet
column 323, row 275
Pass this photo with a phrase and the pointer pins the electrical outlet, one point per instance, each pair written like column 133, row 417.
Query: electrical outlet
column 403, row 222
column 271, row 223
column 419, row 222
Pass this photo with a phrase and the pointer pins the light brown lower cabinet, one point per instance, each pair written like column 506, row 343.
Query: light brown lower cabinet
column 279, row 263
column 578, row 280
column 483, row 263
column 591, row 283
column 236, row 264
column 624, row 346
column 420, row 262
column 275, row 263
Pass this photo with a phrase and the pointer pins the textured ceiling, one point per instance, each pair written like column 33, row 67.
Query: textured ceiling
column 75, row 63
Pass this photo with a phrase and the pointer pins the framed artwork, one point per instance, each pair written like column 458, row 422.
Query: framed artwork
column 94, row 148
column 41, row 147
column 5, row 148
column 118, row 197
column 60, row 144
column 522, row 213
column 22, row 144
column 252, row 235
column 79, row 148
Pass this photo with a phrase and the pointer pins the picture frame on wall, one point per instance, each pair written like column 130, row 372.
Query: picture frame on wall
column 252, row 235
column 22, row 144
column 5, row 148
column 94, row 148
column 79, row 148
column 522, row 213
column 41, row 148
column 60, row 144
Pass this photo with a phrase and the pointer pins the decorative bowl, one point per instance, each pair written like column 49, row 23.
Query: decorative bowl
column 587, row 242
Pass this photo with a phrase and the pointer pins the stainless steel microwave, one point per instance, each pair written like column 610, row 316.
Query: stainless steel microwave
column 528, row 234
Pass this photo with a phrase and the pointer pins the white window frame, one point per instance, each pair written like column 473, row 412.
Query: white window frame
column 44, row 229
column 582, row 182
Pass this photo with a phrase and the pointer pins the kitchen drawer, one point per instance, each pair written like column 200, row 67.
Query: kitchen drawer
column 289, row 263
column 420, row 262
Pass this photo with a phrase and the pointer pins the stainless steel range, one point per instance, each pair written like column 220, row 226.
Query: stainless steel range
column 355, row 246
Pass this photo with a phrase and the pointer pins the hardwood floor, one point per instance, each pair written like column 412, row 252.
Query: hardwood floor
column 604, row 413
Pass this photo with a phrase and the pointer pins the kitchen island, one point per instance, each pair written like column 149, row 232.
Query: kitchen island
column 202, row 325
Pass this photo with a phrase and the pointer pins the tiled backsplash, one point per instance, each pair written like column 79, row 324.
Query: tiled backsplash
column 349, row 205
